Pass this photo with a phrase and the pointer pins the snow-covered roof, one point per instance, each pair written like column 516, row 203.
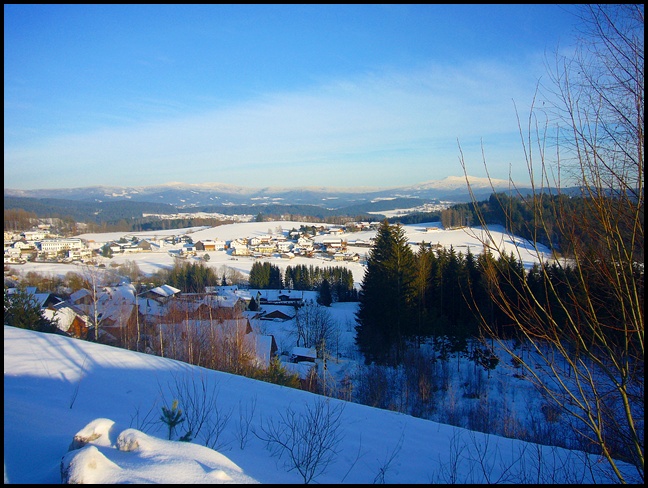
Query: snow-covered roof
column 79, row 294
column 165, row 290
column 305, row 352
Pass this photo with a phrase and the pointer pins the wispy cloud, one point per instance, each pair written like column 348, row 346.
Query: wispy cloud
column 379, row 129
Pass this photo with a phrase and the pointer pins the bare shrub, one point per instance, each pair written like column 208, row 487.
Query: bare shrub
column 144, row 421
column 420, row 374
column 372, row 386
column 309, row 438
column 204, row 420
column 246, row 413
column 389, row 459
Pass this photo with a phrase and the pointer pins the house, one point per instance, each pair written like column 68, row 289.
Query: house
column 259, row 240
column 203, row 306
column 284, row 246
column 114, row 308
column 206, row 245
column 302, row 363
column 53, row 246
column 265, row 348
column 117, row 313
column 305, row 243
column 78, row 255
column 43, row 300
column 161, row 294
column 332, row 243
column 114, row 247
column 34, row 235
column 14, row 256
column 188, row 248
column 307, row 373
column 266, row 248
column 277, row 316
column 303, row 354
column 81, row 297
column 240, row 247
column 69, row 319
column 144, row 245
column 24, row 250
column 31, row 290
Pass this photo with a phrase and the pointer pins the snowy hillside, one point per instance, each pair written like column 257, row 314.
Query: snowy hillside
column 54, row 387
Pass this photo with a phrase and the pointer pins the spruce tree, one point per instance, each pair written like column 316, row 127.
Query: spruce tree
column 275, row 281
column 22, row 310
column 324, row 294
column 386, row 313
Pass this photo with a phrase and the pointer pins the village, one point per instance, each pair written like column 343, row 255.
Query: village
column 221, row 323
column 39, row 245
column 167, row 322
column 157, row 318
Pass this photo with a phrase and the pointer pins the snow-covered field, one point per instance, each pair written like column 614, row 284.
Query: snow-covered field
column 150, row 262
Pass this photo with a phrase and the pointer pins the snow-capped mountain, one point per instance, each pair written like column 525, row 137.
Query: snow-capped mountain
column 452, row 188
column 459, row 183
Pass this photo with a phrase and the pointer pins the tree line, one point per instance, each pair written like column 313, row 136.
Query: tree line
column 338, row 279
column 408, row 297
column 541, row 217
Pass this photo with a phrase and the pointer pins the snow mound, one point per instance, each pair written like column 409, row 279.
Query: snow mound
column 135, row 457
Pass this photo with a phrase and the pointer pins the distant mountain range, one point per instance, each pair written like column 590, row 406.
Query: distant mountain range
column 188, row 197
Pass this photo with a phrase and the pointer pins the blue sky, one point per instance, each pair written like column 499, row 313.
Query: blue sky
column 260, row 95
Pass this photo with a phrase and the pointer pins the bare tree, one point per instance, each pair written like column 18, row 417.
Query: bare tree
column 95, row 279
column 586, row 331
column 315, row 327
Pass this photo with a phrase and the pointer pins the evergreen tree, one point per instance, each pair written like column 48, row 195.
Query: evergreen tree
column 425, row 260
column 386, row 314
column 276, row 282
column 259, row 275
column 324, row 294
column 22, row 310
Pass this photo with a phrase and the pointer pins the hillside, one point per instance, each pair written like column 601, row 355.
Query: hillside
column 54, row 386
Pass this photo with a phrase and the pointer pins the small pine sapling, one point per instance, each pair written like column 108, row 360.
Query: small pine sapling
column 172, row 417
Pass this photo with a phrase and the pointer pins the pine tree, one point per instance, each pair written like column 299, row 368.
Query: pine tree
column 387, row 315
column 172, row 417
column 324, row 294
column 275, row 278
column 22, row 310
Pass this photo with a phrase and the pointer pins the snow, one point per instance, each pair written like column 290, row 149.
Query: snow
column 56, row 388
column 102, row 446
column 462, row 240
